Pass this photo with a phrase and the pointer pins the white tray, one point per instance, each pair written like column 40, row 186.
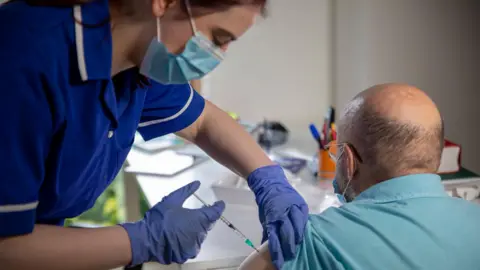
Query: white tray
column 234, row 190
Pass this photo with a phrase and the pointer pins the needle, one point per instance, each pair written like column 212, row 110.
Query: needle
column 231, row 226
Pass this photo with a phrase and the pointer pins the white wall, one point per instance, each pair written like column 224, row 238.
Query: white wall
column 433, row 44
column 280, row 69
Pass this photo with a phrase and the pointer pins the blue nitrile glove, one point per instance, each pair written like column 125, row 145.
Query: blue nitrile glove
column 170, row 233
column 282, row 211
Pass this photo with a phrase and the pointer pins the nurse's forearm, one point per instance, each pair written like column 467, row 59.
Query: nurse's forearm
column 228, row 142
column 52, row 247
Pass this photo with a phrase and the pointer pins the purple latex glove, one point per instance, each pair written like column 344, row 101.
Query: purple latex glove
column 282, row 211
column 170, row 233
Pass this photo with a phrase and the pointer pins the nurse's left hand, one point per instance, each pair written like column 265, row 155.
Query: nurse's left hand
column 282, row 211
column 170, row 233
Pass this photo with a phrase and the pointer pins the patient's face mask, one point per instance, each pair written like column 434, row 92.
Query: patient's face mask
column 347, row 194
column 199, row 58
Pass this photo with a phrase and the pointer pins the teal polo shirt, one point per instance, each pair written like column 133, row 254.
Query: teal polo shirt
column 407, row 222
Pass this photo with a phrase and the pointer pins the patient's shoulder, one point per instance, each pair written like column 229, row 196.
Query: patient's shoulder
column 336, row 225
column 258, row 261
column 334, row 216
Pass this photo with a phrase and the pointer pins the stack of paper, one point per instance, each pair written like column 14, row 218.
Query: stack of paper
column 450, row 162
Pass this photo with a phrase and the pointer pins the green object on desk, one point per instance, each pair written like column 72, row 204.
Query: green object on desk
column 108, row 209
column 462, row 174
column 234, row 115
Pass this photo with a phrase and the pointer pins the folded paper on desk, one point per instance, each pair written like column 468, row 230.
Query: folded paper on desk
column 156, row 145
column 155, row 164
column 191, row 150
column 450, row 162
column 294, row 165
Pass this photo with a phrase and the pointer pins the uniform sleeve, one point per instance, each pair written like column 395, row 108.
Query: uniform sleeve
column 25, row 140
column 168, row 109
column 313, row 253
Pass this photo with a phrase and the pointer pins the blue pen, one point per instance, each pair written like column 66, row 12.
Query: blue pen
column 316, row 135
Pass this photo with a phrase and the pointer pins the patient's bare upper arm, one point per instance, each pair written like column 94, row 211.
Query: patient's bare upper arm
column 258, row 261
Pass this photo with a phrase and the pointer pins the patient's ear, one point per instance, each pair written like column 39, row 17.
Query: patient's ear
column 351, row 162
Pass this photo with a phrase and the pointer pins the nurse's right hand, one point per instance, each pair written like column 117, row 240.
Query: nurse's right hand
column 170, row 233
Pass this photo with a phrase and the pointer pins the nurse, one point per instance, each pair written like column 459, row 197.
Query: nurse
column 76, row 83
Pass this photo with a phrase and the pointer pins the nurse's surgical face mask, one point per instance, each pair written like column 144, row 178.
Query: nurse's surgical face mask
column 199, row 58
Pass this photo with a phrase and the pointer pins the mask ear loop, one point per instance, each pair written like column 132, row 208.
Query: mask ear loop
column 342, row 152
column 349, row 180
column 190, row 15
column 159, row 32
column 207, row 44
column 346, row 187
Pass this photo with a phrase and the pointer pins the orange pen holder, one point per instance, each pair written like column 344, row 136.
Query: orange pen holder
column 326, row 166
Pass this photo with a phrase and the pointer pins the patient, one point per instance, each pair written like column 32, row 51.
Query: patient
column 397, row 214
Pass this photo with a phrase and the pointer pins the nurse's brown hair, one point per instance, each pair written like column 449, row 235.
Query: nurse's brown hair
column 207, row 4
column 128, row 8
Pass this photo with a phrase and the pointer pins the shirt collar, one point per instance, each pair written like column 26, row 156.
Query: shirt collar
column 93, row 40
column 404, row 187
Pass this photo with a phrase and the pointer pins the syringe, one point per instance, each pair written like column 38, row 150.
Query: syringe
column 231, row 226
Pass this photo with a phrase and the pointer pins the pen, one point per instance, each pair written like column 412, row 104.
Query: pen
column 334, row 132
column 327, row 124
column 316, row 135
column 332, row 115
column 231, row 226
column 324, row 132
column 332, row 122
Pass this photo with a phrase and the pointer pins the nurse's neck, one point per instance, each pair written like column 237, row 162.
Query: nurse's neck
column 130, row 40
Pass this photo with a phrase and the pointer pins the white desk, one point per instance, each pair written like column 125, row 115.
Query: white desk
column 222, row 249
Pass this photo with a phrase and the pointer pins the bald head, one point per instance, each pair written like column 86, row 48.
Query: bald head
column 396, row 130
column 404, row 103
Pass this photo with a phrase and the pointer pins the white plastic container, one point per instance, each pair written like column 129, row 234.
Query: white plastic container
column 234, row 190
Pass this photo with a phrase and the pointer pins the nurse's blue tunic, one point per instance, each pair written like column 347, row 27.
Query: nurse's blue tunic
column 68, row 126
